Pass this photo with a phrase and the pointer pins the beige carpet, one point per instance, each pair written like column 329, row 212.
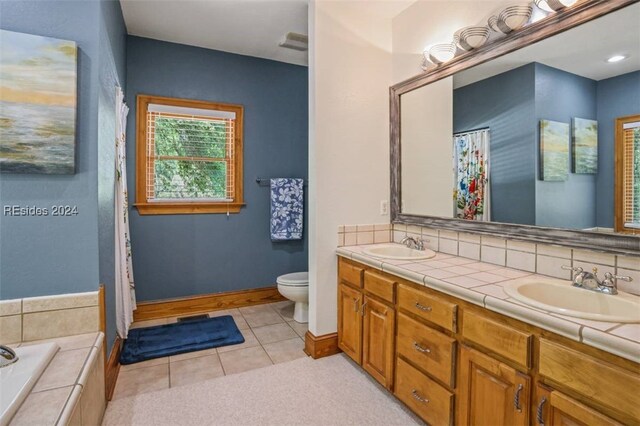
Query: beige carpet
column 328, row 391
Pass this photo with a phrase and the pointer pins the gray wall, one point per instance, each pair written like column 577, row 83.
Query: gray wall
column 617, row 97
column 561, row 96
column 184, row 255
column 49, row 255
column 505, row 104
column 46, row 255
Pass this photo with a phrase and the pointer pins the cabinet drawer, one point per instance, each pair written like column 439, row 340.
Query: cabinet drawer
column 426, row 398
column 350, row 274
column 500, row 338
column 427, row 348
column 602, row 382
column 380, row 286
column 428, row 307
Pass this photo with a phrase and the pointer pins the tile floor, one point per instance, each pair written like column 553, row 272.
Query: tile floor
column 271, row 337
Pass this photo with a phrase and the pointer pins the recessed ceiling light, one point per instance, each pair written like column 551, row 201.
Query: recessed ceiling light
column 616, row 58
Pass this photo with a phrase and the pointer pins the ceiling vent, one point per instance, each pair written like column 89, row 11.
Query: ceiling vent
column 295, row 41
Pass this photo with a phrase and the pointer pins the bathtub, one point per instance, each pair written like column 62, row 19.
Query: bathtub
column 17, row 379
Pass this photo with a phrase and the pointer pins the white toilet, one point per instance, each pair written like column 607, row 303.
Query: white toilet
column 295, row 287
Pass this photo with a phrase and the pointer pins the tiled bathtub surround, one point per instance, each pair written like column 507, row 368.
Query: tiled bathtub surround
column 351, row 235
column 481, row 283
column 71, row 390
column 541, row 259
column 47, row 317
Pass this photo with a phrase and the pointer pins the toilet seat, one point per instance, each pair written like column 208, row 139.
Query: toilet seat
column 295, row 279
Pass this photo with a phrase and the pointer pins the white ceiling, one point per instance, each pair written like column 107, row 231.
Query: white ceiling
column 582, row 50
column 246, row 27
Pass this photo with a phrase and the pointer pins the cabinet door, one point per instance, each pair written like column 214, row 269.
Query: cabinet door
column 377, row 341
column 350, row 322
column 490, row 392
column 556, row 409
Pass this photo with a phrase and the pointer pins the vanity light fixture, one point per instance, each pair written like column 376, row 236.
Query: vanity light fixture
column 554, row 5
column 616, row 58
column 441, row 53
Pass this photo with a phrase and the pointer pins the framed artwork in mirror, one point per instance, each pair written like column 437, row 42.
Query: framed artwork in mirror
column 585, row 146
column 554, row 151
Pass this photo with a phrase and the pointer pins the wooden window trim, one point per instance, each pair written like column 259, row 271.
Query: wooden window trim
column 190, row 207
column 619, row 175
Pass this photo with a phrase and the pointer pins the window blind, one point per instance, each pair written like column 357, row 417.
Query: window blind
column 631, row 175
column 190, row 154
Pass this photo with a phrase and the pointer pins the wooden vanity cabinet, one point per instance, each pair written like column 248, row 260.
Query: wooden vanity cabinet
column 377, row 340
column 491, row 392
column 366, row 320
column 350, row 321
column 453, row 362
column 553, row 408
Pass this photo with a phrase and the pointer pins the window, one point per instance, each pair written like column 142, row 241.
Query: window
column 627, row 171
column 188, row 156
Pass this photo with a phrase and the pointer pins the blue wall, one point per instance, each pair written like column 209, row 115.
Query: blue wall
column 505, row 104
column 184, row 255
column 562, row 96
column 47, row 255
column 617, row 97
column 512, row 104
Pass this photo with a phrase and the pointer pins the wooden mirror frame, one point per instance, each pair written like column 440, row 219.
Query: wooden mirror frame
column 556, row 23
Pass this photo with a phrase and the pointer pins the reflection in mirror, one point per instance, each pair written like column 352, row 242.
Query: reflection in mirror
column 529, row 138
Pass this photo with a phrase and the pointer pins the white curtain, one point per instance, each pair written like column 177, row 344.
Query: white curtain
column 125, row 290
column 472, row 200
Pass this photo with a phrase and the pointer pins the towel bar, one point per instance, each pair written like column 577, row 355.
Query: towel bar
column 267, row 181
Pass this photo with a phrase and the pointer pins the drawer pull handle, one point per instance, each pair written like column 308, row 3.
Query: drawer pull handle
column 355, row 305
column 362, row 309
column 540, row 411
column 516, row 398
column 422, row 349
column 417, row 397
column 422, row 307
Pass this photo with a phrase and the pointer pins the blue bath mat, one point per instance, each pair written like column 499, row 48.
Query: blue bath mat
column 173, row 339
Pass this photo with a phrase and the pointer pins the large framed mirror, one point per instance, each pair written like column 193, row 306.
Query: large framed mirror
column 536, row 136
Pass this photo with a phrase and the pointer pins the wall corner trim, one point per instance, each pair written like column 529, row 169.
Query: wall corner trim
column 321, row 346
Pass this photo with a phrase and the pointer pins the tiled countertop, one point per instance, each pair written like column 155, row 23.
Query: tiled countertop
column 55, row 394
column 482, row 284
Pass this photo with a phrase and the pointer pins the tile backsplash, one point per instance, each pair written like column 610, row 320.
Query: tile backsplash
column 542, row 259
column 352, row 235
column 46, row 317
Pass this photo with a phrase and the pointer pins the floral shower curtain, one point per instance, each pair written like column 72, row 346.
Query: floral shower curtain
column 471, row 169
column 125, row 291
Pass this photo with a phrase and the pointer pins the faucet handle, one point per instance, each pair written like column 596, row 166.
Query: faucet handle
column 609, row 276
column 576, row 269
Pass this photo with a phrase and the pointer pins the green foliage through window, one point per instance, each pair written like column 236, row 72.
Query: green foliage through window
column 203, row 143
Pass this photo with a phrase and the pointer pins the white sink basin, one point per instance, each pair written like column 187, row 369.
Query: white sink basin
column 398, row 252
column 561, row 297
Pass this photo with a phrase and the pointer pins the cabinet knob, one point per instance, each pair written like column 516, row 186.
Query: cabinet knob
column 417, row 397
column 420, row 348
column 422, row 307
column 540, row 411
column 516, row 398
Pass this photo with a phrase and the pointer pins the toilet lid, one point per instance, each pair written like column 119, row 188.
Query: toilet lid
column 294, row 279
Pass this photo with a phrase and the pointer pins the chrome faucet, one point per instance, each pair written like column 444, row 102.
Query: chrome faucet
column 7, row 356
column 591, row 281
column 415, row 243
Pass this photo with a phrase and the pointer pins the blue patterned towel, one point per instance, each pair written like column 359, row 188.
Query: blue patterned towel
column 286, row 209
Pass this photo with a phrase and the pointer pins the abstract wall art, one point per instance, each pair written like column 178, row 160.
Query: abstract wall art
column 554, row 150
column 585, row 146
column 38, row 85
